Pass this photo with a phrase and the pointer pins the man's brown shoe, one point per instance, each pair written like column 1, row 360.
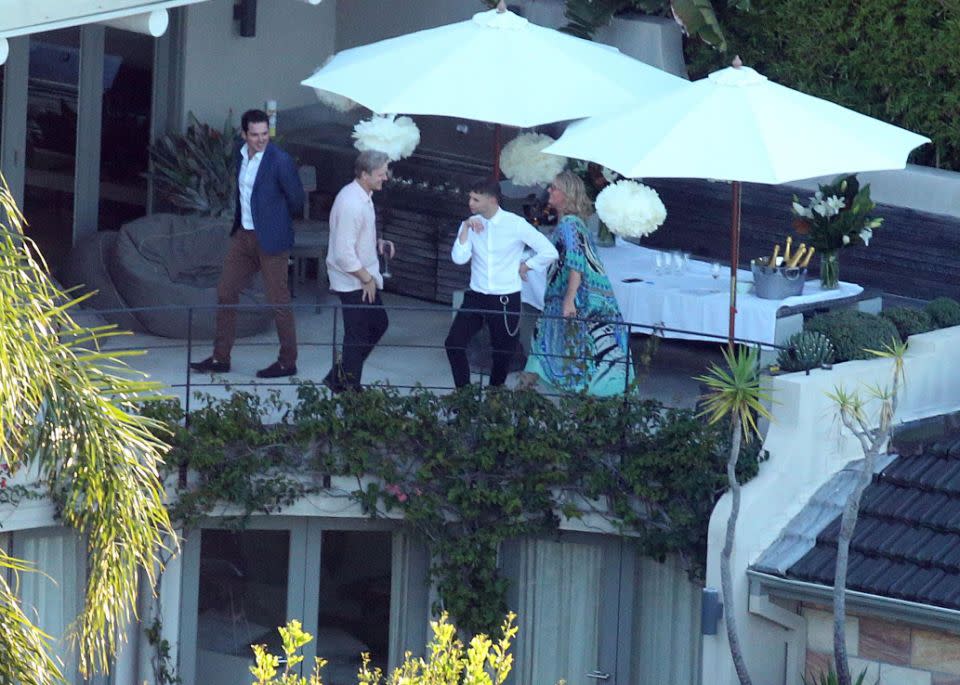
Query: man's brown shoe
column 277, row 370
column 210, row 365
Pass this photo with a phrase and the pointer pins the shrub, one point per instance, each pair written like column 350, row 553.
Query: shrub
column 806, row 350
column 853, row 333
column 909, row 321
column 944, row 311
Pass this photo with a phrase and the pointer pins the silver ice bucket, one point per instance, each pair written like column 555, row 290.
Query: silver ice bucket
column 776, row 282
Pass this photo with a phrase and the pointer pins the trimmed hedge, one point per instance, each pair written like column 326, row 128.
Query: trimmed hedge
column 853, row 332
column 944, row 311
column 909, row 321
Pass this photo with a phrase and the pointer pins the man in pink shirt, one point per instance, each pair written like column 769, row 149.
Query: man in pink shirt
column 354, row 268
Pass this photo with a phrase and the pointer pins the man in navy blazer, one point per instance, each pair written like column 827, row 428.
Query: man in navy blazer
column 269, row 193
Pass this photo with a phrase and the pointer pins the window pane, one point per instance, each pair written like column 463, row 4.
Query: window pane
column 242, row 600
column 127, row 80
column 52, row 140
column 354, row 602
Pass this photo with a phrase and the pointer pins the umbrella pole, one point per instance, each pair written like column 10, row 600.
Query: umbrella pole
column 734, row 260
column 497, row 140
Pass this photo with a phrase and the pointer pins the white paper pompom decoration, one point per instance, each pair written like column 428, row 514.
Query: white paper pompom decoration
column 630, row 209
column 524, row 163
column 396, row 136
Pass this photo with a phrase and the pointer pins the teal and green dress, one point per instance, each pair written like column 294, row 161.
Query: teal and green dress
column 589, row 355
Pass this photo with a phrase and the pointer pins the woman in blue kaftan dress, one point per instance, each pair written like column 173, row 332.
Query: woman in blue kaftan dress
column 580, row 343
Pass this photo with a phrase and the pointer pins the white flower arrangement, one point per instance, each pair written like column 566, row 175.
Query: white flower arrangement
column 630, row 209
column 332, row 100
column 396, row 136
column 522, row 160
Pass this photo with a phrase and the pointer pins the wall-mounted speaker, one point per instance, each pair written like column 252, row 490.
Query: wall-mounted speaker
column 245, row 13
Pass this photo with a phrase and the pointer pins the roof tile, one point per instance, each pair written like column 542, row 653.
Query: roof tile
column 906, row 544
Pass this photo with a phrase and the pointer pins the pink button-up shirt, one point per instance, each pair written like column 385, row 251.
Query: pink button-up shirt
column 353, row 239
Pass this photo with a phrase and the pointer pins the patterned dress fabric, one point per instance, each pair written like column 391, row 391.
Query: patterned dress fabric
column 588, row 355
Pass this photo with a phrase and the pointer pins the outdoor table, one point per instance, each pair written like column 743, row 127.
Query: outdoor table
column 692, row 300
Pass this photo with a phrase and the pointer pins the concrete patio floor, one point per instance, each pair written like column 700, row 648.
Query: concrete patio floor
column 411, row 353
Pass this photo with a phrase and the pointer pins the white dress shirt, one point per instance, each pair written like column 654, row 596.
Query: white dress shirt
column 353, row 239
column 248, row 174
column 497, row 251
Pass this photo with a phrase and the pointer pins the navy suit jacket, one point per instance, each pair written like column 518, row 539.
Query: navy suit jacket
column 276, row 198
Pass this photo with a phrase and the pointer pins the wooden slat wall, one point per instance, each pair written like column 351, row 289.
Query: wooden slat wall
column 914, row 254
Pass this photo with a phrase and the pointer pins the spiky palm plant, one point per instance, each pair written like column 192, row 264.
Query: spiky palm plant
column 195, row 170
column 873, row 432
column 736, row 395
column 69, row 414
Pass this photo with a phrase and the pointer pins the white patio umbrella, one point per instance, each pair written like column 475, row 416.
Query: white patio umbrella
column 496, row 67
column 737, row 125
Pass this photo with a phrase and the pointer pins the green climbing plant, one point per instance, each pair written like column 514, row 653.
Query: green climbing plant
column 467, row 470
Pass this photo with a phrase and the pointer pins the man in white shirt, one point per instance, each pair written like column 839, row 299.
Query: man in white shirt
column 493, row 240
column 354, row 268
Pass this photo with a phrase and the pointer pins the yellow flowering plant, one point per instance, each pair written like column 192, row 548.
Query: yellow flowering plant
column 484, row 662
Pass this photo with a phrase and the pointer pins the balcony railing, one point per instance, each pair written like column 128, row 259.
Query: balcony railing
column 329, row 344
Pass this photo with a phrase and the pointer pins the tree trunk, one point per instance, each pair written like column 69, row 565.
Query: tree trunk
column 848, row 523
column 726, row 581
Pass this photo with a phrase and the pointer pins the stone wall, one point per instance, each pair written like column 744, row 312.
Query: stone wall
column 891, row 652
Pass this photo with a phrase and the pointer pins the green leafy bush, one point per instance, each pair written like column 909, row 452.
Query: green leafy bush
column 909, row 321
column 853, row 332
column 806, row 350
column 944, row 311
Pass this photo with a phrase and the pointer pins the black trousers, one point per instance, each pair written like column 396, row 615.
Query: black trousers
column 503, row 330
column 364, row 324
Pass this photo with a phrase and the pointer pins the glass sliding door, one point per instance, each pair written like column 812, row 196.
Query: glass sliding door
column 52, row 100
column 354, row 602
column 566, row 593
column 354, row 590
column 125, row 131
column 239, row 586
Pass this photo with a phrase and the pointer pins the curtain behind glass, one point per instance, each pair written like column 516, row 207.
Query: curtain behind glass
column 558, row 612
column 666, row 625
column 52, row 596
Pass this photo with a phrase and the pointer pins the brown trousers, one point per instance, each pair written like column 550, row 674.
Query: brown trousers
column 243, row 260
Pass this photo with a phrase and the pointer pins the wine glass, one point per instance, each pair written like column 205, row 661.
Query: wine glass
column 677, row 261
column 686, row 261
column 659, row 262
column 715, row 270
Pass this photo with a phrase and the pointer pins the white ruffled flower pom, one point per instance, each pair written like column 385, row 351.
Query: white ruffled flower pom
column 630, row 209
column 396, row 136
column 332, row 100
column 522, row 160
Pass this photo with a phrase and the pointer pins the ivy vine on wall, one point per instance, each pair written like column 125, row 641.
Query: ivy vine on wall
column 468, row 470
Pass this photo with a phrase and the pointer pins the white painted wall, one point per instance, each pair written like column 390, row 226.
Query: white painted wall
column 224, row 71
column 806, row 448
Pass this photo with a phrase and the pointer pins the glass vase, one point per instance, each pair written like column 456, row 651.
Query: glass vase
column 830, row 269
column 604, row 237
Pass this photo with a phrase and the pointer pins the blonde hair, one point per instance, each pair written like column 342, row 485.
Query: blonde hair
column 577, row 200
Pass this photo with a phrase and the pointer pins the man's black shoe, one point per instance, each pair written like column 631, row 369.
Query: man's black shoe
column 277, row 370
column 333, row 385
column 210, row 365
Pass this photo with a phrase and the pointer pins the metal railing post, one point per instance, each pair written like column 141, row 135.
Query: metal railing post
column 182, row 475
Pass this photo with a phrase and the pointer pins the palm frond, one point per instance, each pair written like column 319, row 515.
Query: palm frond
column 64, row 412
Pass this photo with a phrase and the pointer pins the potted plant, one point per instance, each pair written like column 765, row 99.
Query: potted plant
column 837, row 216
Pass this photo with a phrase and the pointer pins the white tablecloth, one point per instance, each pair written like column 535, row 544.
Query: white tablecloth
column 692, row 300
